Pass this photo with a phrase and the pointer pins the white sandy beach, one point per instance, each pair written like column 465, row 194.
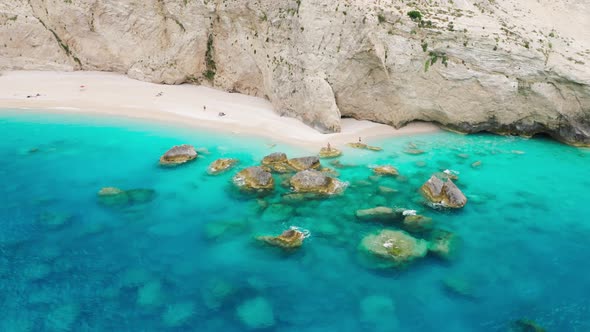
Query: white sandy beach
column 117, row 95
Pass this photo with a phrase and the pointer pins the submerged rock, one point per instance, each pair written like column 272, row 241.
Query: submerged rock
column 420, row 163
column 254, row 178
column 221, row 165
column 277, row 162
column 330, row 171
column 459, row 286
column 338, row 164
column 115, row 197
column 55, row 220
column 112, row 196
column 526, row 325
column 36, row 271
column 256, row 313
column 326, row 152
column 138, row 196
column 289, row 239
column 386, row 170
column 398, row 247
column 293, row 197
column 150, row 294
column 303, row 163
column 178, row 154
column 178, row 314
column 384, row 190
column 219, row 228
column 134, row 277
column 109, row 191
column 216, row 292
column 463, row 155
column 417, row 223
column 447, row 175
column 62, row 318
column 378, row 309
column 442, row 193
column 414, row 151
column 362, row 183
column 277, row 212
column 443, row 244
column 364, row 146
column 379, row 212
column 311, row 181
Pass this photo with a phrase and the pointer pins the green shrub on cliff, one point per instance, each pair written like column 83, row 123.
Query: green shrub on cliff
column 209, row 62
column 433, row 57
column 415, row 15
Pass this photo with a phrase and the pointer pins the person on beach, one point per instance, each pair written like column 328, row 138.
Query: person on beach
column 204, row 108
column 329, row 147
column 360, row 139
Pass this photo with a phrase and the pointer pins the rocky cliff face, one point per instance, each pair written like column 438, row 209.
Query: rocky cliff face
column 507, row 66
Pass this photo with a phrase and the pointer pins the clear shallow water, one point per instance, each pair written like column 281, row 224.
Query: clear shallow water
column 187, row 260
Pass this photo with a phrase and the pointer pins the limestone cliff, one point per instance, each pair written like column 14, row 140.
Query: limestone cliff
column 507, row 66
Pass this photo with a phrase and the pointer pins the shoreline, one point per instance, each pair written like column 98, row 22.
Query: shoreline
column 115, row 95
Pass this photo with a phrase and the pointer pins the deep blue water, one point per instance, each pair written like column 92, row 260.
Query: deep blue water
column 187, row 260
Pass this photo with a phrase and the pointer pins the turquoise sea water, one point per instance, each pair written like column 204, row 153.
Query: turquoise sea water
column 187, row 260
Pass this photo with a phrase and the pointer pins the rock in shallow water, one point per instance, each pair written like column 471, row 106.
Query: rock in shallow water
column 289, row 239
column 442, row 193
column 303, row 163
column 326, row 152
column 221, row 165
column 178, row 154
column 254, row 178
column 311, row 181
column 386, row 170
column 398, row 247
column 364, row 146
column 277, row 162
